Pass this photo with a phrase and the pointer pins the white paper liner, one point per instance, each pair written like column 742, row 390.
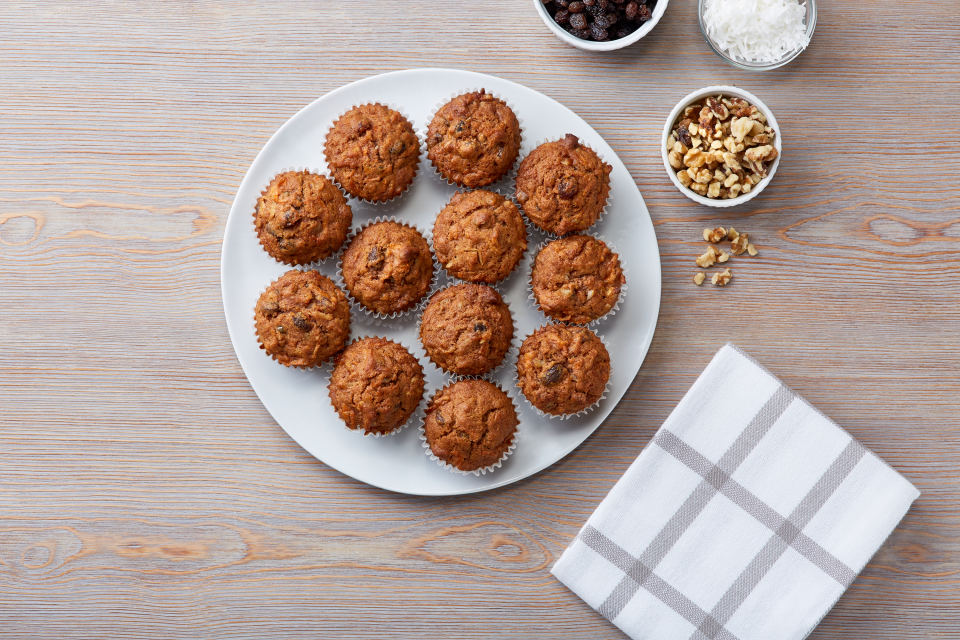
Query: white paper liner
column 418, row 413
column 314, row 171
column 507, row 178
column 375, row 317
column 508, row 357
column 565, row 416
column 476, row 472
column 516, row 268
column 353, row 319
column 600, row 215
column 420, row 154
column 592, row 323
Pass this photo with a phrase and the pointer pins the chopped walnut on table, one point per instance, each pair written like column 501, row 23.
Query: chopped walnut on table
column 721, row 279
column 739, row 244
column 698, row 279
column 721, row 147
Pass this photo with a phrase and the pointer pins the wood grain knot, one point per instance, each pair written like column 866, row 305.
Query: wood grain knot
column 903, row 232
column 35, row 552
column 18, row 229
column 486, row 545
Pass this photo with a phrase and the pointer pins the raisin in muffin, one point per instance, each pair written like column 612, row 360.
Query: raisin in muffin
column 474, row 139
column 376, row 385
column 302, row 319
column 576, row 279
column 479, row 236
column 563, row 369
column 466, row 329
column 563, row 186
column 388, row 267
column 470, row 424
column 372, row 152
column 302, row 217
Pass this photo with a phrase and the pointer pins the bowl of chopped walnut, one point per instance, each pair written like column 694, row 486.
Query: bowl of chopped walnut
column 721, row 146
column 600, row 25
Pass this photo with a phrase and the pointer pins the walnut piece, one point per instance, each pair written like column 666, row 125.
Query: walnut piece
column 708, row 258
column 732, row 234
column 721, row 279
column 752, row 250
column 698, row 278
column 739, row 245
column 714, row 235
column 724, row 256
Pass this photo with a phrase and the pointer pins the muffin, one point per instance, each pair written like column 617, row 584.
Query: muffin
column 388, row 267
column 466, row 329
column 563, row 369
column 376, row 385
column 479, row 236
column 470, row 424
column 576, row 279
column 372, row 152
column 302, row 319
column 474, row 139
column 563, row 186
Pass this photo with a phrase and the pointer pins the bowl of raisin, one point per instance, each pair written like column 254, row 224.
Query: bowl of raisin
column 600, row 25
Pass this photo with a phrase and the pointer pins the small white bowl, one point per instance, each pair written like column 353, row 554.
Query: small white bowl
column 727, row 91
column 610, row 45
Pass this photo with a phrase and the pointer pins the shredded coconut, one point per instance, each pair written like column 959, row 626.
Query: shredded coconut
column 756, row 30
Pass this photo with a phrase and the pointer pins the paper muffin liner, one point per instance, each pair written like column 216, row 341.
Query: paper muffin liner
column 380, row 204
column 353, row 319
column 603, row 211
column 504, row 181
column 592, row 323
column 375, row 317
column 509, row 356
column 526, row 229
column 565, row 416
column 418, row 413
column 477, row 472
column 263, row 192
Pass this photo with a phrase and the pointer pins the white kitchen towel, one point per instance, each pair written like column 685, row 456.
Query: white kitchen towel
column 745, row 518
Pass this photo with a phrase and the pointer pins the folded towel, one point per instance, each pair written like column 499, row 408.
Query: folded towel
column 745, row 518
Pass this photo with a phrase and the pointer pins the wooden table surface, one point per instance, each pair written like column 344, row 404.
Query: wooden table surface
column 146, row 493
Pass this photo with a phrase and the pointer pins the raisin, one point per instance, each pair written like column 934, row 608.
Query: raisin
column 645, row 14
column 602, row 4
column 589, row 3
column 373, row 255
column 612, row 18
column 631, row 10
column 570, row 141
column 553, row 375
column 362, row 127
column 602, row 22
column 479, row 327
column 578, row 22
column 562, row 16
column 594, row 10
column 623, row 32
column 563, row 4
column 583, row 34
column 567, row 187
column 598, row 33
column 398, row 147
column 575, row 7
column 300, row 323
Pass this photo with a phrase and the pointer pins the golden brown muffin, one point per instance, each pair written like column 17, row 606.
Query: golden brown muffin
column 563, row 186
column 388, row 267
column 302, row 217
column 474, row 139
column 376, row 385
column 563, row 369
column 302, row 319
column 577, row 279
column 466, row 329
column 479, row 236
column 372, row 152
column 470, row 424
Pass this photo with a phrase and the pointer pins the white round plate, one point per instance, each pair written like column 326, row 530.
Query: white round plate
column 298, row 399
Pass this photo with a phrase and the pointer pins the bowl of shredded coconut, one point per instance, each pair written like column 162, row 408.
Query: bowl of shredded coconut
column 758, row 35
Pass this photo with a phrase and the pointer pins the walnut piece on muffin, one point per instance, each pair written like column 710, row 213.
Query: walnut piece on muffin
column 376, row 385
column 388, row 267
column 372, row 151
column 563, row 369
column 466, row 329
column 301, row 217
column 563, row 186
column 577, row 279
column 302, row 319
column 474, row 139
column 470, row 424
column 479, row 236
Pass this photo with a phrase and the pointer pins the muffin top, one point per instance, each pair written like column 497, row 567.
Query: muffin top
column 479, row 236
column 302, row 319
column 301, row 217
column 376, row 385
column 388, row 267
column 466, row 329
column 372, row 152
column 474, row 139
column 563, row 186
column 577, row 279
column 470, row 424
column 563, row 369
